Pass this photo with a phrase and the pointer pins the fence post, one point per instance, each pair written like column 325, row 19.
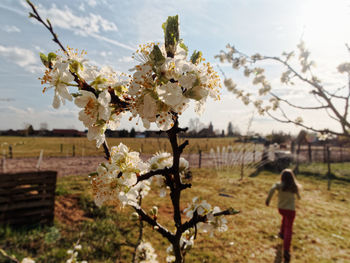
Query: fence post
column 292, row 147
column 73, row 150
column 341, row 153
column 296, row 169
column 40, row 159
column 200, row 158
column 10, row 152
column 254, row 152
column 309, row 152
column 329, row 175
column 61, row 148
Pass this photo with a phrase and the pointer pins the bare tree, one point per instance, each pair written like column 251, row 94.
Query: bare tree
column 333, row 102
column 195, row 125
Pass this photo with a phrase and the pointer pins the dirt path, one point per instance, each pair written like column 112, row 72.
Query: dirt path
column 77, row 165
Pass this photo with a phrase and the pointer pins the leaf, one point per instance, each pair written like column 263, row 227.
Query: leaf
column 171, row 34
column 98, row 80
column 75, row 66
column 120, row 90
column 233, row 211
column 75, row 95
column 182, row 45
column 196, row 57
column 157, row 56
column 49, row 23
column 93, row 174
column 51, row 56
column 44, row 59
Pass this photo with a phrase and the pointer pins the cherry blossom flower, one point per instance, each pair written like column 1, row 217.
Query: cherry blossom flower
column 162, row 86
column 145, row 253
column 95, row 113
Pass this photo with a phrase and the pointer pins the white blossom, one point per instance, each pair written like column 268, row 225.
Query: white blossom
column 116, row 181
column 95, row 113
column 145, row 253
column 165, row 86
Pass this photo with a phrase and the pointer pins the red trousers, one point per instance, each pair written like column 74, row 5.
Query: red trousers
column 287, row 227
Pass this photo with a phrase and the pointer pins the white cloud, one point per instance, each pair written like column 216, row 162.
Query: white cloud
column 105, row 54
column 126, row 59
column 89, row 25
column 92, row 3
column 82, row 7
column 22, row 57
column 11, row 29
column 14, row 10
column 81, row 25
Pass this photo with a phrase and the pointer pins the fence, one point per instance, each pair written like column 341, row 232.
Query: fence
column 338, row 154
column 251, row 155
column 27, row 198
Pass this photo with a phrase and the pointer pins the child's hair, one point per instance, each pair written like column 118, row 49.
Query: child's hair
column 289, row 183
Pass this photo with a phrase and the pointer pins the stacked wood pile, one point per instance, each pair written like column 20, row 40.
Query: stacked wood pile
column 27, row 198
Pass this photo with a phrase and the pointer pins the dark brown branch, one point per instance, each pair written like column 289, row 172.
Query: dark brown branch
column 176, row 192
column 185, row 186
column 106, row 149
column 139, row 240
column 48, row 25
column 166, row 171
column 183, row 145
column 199, row 218
column 158, row 227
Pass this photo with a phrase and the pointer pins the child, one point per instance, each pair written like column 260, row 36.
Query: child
column 287, row 189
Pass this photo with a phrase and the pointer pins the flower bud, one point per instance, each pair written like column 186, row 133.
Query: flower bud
column 134, row 216
column 154, row 210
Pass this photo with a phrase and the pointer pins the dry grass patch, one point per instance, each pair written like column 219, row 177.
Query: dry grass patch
column 321, row 230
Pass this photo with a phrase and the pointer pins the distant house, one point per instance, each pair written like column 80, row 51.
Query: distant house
column 11, row 132
column 207, row 132
column 67, row 133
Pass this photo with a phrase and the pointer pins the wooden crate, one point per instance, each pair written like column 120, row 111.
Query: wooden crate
column 27, row 198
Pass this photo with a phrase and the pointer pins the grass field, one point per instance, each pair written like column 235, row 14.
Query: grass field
column 321, row 230
column 62, row 146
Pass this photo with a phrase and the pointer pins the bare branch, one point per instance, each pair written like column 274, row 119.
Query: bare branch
column 158, row 227
column 199, row 218
column 297, row 106
column 47, row 25
column 333, row 95
column 166, row 171
column 288, row 120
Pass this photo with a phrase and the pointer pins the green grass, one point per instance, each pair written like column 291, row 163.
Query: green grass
column 31, row 146
column 321, row 230
column 340, row 170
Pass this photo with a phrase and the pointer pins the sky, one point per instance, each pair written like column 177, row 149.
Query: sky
column 111, row 30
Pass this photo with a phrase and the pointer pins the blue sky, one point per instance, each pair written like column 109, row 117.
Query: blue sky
column 111, row 30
